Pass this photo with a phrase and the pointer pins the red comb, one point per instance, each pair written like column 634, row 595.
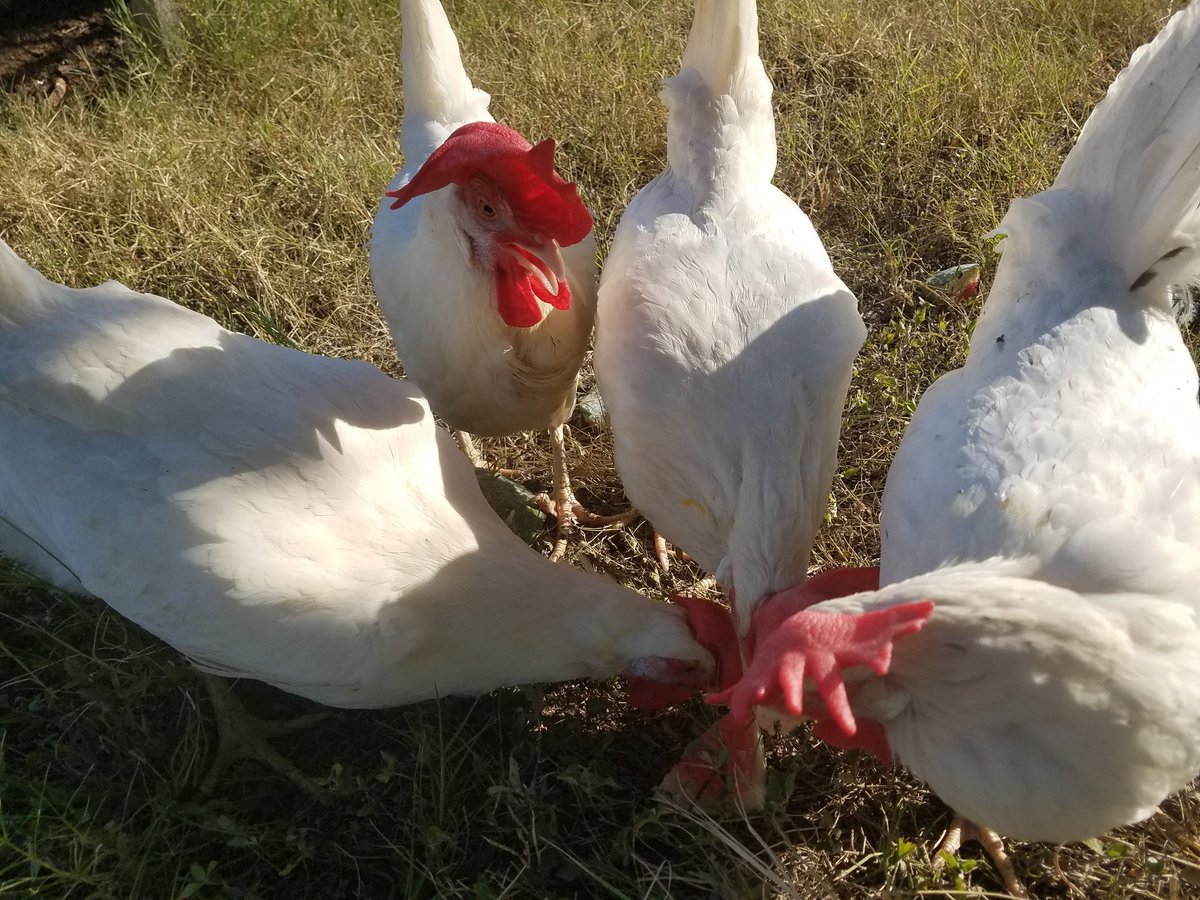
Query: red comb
column 713, row 628
column 827, row 585
column 525, row 174
column 818, row 645
column 726, row 764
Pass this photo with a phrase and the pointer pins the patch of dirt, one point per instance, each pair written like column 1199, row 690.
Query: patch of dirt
column 51, row 47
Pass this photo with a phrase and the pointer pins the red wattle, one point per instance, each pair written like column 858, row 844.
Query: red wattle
column 561, row 300
column 517, row 293
column 869, row 736
column 515, row 300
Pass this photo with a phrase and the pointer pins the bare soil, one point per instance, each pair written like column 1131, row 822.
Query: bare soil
column 51, row 47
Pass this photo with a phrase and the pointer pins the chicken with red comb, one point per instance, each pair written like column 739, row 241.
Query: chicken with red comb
column 1045, row 501
column 483, row 261
column 528, row 211
column 725, row 340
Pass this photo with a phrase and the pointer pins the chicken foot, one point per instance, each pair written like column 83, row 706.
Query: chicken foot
column 565, row 508
column 961, row 831
column 243, row 736
column 664, row 553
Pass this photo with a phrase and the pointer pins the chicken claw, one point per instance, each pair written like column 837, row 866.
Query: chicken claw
column 242, row 736
column 565, row 508
column 960, row 831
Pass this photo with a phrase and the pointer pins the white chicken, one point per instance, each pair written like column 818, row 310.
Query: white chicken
column 725, row 341
column 483, row 260
column 1042, row 516
column 275, row 515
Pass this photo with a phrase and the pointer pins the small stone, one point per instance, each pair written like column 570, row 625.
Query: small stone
column 513, row 503
column 590, row 408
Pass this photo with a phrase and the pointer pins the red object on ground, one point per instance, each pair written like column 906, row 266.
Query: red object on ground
column 725, row 765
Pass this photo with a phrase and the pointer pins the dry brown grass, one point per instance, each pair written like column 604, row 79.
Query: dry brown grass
column 241, row 181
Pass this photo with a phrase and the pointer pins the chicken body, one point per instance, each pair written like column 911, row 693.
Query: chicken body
column 495, row 353
column 1045, row 499
column 274, row 515
column 481, row 375
column 725, row 341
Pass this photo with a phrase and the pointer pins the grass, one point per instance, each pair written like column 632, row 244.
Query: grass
column 241, row 180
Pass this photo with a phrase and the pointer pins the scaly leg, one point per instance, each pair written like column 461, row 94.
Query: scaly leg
column 242, row 736
column 467, row 444
column 961, row 831
column 565, row 507
column 664, row 553
column 468, row 447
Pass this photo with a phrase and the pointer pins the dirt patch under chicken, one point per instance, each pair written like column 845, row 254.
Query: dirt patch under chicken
column 51, row 47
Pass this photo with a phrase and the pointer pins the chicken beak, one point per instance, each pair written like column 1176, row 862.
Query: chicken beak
column 544, row 261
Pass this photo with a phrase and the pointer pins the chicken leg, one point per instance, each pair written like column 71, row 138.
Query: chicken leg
column 960, row 831
column 242, row 736
column 467, row 444
column 564, row 507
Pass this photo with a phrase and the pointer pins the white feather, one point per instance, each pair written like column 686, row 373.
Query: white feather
column 725, row 340
column 479, row 374
column 1049, row 490
column 275, row 515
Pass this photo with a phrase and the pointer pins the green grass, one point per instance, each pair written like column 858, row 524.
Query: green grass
column 241, row 180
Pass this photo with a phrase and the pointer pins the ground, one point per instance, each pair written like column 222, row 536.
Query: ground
column 241, row 179
column 53, row 46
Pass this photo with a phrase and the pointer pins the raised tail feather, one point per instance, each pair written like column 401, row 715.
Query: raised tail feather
column 720, row 101
column 1135, row 170
column 723, row 44
column 438, row 93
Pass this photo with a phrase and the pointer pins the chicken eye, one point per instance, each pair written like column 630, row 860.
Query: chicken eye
column 485, row 209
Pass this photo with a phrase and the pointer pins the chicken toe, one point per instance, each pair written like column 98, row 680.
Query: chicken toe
column 243, row 736
column 962, row 831
column 569, row 512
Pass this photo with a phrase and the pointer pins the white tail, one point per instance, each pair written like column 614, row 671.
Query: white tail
column 438, row 94
column 723, row 44
column 1133, row 177
column 721, row 122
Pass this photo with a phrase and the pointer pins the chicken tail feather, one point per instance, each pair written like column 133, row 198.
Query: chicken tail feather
column 721, row 126
column 438, row 93
column 1130, row 188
